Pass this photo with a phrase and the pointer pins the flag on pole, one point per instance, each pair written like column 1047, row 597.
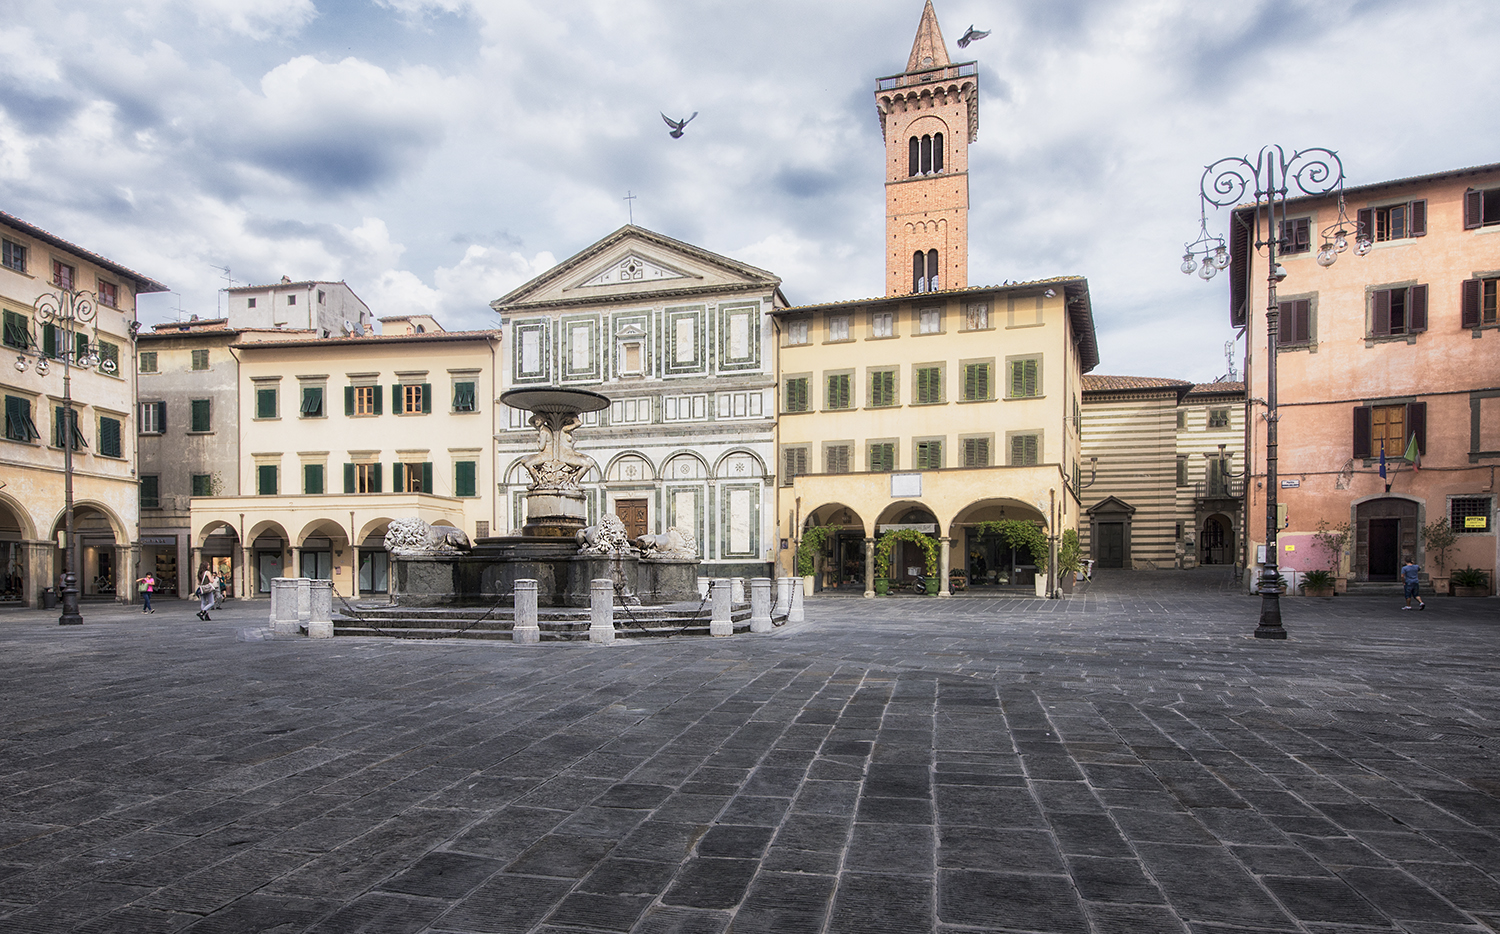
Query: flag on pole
column 1412, row 455
column 1382, row 459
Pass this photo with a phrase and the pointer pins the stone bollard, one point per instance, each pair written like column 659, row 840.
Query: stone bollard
column 602, row 611
column 525, row 630
column 702, row 587
column 304, row 599
column 284, row 606
column 795, row 614
column 736, row 591
column 784, row 595
column 760, row 604
column 721, row 624
column 320, row 609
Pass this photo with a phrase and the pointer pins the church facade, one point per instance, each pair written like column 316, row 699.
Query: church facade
column 680, row 340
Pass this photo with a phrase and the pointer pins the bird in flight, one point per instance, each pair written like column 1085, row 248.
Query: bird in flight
column 971, row 36
column 677, row 125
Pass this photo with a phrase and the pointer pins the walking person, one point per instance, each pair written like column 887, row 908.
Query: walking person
column 1411, row 579
column 146, row 585
column 207, row 588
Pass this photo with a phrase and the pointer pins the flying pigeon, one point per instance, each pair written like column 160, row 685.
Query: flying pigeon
column 971, row 36
column 677, row 125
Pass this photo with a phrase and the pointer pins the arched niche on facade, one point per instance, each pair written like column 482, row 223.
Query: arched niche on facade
column 740, row 465
column 683, row 467
column 629, row 468
column 837, row 514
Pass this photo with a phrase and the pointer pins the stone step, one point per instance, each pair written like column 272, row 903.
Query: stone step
column 1385, row 588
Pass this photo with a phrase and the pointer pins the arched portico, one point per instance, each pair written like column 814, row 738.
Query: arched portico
column 105, row 555
column 24, row 560
column 844, row 559
column 987, row 559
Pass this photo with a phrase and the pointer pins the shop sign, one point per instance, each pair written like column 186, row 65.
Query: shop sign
column 159, row 540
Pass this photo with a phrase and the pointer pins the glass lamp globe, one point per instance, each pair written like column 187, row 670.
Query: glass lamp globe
column 1362, row 246
column 1208, row 270
column 42, row 367
column 1221, row 258
column 20, row 364
column 1340, row 242
column 1327, row 256
column 93, row 359
column 1188, row 265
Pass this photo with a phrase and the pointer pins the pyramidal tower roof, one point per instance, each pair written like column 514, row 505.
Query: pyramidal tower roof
column 928, row 50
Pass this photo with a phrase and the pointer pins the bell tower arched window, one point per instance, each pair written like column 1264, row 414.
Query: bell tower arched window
column 932, row 271
column 916, row 157
column 924, row 271
column 926, row 155
column 937, row 152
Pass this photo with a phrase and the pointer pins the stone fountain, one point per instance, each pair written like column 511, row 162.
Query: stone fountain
column 557, row 547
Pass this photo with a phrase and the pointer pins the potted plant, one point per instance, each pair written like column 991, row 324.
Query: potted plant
column 1069, row 560
column 1470, row 582
column 1439, row 538
column 957, row 580
column 1317, row 584
column 882, row 586
column 808, row 552
column 1334, row 538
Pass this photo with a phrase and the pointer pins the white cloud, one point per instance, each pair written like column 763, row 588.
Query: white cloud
column 481, row 276
column 255, row 19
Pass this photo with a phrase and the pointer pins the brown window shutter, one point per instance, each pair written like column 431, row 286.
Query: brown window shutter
column 1473, row 209
column 1416, row 308
column 1470, row 304
column 1365, row 218
column 1302, row 320
column 1362, row 431
column 1419, row 218
column 1416, row 425
column 1380, row 322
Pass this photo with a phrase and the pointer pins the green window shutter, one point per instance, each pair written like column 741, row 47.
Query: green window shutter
column 109, row 357
column 930, row 385
column 109, row 437
column 203, row 484
column 312, row 401
column 976, row 381
column 838, row 391
column 376, row 483
column 398, row 401
column 796, row 395
column 265, row 403
column 379, row 399
column 150, row 492
column 427, row 401
column 464, row 478
column 202, row 412
column 312, row 479
column 348, row 478
column 59, row 430
column 49, row 340
column 929, row 455
column 427, row 476
column 16, row 333
column 464, row 396
column 80, row 346
column 348, row 400
column 884, row 391
column 265, row 480
column 398, row 477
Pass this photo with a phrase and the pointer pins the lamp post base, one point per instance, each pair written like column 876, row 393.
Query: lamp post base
column 1270, row 617
column 70, row 615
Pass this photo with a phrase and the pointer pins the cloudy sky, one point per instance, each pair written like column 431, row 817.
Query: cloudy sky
column 437, row 154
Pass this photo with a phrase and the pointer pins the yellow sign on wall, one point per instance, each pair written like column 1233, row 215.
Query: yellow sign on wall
column 1476, row 522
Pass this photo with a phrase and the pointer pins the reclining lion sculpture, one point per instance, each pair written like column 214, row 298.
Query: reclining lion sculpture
column 412, row 536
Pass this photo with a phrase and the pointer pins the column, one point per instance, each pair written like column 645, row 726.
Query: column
column 194, row 571
column 524, row 629
column 760, row 604
column 353, row 572
column 945, row 558
column 39, row 574
column 602, row 611
column 247, row 574
column 869, row 567
column 295, row 568
column 127, row 559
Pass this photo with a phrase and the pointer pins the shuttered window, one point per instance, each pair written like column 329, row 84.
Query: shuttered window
column 836, row 458
column 1398, row 311
column 1481, row 208
column 17, row 331
column 794, row 464
column 838, row 391
column 464, row 473
column 312, row 479
column 109, row 436
column 976, row 382
column 312, row 402
column 1296, row 235
column 1393, row 425
column 929, row 380
column 796, row 394
column 463, row 397
column 882, row 457
column 1294, row 322
column 203, row 484
column 882, row 388
column 18, row 423
column 202, row 415
column 153, row 418
column 109, row 358
column 976, row 452
column 265, row 403
column 59, row 415
column 1478, row 304
column 150, row 491
column 1025, row 378
column 929, row 455
column 1394, row 221
column 1024, row 450
column 266, row 480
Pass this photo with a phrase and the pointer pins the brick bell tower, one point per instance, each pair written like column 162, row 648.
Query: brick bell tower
column 929, row 114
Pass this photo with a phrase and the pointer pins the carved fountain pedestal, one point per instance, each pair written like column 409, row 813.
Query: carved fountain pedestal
column 556, row 547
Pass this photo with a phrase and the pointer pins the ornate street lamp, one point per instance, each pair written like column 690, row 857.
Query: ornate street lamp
column 70, row 312
column 1268, row 180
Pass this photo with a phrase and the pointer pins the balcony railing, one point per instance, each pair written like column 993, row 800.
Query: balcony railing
column 1220, row 488
column 927, row 77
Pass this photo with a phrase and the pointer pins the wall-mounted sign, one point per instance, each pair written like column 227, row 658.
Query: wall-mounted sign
column 929, row 528
column 905, row 485
column 1290, row 484
column 1476, row 522
column 158, row 540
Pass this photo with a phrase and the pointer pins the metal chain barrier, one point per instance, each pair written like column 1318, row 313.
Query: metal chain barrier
column 350, row 611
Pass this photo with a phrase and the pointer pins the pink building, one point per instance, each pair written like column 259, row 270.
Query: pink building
column 1376, row 352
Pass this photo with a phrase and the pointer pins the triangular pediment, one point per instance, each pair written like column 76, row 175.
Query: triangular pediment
column 631, row 264
column 632, row 269
column 1110, row 505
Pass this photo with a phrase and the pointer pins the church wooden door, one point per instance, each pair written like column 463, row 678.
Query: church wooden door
column 632, row 512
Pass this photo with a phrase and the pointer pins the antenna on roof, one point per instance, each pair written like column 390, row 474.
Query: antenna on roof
column 227, row 278
column 1229, row 359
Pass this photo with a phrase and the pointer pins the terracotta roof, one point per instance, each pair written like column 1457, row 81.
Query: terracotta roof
column 1094, row 383
column 1222, row 388
column 143, row 284
column 284, row 285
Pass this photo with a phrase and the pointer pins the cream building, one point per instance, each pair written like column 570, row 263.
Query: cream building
column 36, row 263
column 1162, row 472
column 328, row 309
column 939, row 407
column 680, row 340
column 339, row 436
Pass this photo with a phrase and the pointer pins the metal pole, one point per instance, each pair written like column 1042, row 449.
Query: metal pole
column 70, row 615
column 1270, row 598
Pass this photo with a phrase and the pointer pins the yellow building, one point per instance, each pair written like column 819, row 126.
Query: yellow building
column 933, row 412
column 939, row 407
column 339, row 436
column 37, row 264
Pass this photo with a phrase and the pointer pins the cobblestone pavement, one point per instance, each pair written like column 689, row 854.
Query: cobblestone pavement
column 1125, row 760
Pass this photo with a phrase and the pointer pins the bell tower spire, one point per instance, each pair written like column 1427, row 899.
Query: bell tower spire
column 929, row 114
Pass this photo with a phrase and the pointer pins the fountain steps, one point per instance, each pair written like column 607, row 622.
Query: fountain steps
column 557, row 624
